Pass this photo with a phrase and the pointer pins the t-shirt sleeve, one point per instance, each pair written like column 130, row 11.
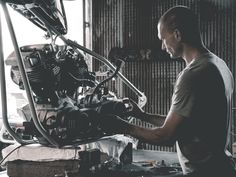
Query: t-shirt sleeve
column 184, row 96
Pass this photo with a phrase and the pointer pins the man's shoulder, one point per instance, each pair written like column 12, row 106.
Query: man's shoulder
column 198, row 71
column 206, row 63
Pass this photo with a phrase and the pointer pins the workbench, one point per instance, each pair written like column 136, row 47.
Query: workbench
column 57, row 168
column 40, row 161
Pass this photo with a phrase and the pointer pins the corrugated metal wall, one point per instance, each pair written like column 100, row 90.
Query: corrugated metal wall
column 130, row 25
column 157, row 79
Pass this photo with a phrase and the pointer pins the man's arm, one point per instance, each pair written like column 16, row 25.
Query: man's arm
column 155, row 119
column 137, row 112
column 164, row 135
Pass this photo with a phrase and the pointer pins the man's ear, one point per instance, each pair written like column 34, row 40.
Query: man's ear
column 177, row 35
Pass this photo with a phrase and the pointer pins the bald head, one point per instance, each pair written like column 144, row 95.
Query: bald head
column 181, row 18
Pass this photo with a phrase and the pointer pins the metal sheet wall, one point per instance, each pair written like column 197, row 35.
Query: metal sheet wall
column 131, row 24
column 157, row 79
column 107, row 28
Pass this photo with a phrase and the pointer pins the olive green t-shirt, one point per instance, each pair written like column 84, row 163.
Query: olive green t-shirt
column 202, row 95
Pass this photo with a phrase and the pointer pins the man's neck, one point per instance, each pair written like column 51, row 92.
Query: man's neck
column 191, row 53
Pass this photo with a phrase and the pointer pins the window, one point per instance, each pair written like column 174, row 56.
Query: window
column 27, row 33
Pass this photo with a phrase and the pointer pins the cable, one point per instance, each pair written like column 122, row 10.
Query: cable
column 81, row 80
column 10, row 153
column 120, row 63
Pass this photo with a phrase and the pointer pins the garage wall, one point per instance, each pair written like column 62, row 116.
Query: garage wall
column 128, row 29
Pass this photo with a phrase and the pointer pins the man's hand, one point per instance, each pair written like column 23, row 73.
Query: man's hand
column 135, row 110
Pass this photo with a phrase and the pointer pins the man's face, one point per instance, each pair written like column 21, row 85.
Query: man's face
column 170, row 43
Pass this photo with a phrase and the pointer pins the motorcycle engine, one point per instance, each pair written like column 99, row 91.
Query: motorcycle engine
column 63, row 90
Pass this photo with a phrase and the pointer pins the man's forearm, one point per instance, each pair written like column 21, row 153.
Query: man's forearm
column 155, row 136
column 155, row 119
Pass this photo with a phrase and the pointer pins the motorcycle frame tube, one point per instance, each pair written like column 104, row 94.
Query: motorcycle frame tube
column 26, row 86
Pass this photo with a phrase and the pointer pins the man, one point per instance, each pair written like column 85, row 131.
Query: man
column 199, row 116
